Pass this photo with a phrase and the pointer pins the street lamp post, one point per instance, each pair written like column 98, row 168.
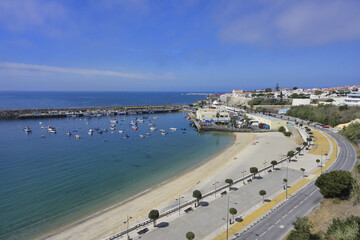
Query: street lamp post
column 178, row 199
column 243, row 172
column 215, row 186
column 227, row 219
column 127, row 226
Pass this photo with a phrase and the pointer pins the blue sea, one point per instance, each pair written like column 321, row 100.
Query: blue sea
column 49, row 180
column 20, row 100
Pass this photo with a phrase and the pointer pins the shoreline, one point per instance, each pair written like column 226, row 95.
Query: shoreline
column 57, row 233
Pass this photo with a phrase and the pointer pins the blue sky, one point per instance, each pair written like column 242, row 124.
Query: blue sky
column 178, row 45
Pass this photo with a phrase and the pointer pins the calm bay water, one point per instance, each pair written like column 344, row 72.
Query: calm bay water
column 18, row 100
column 48, row 182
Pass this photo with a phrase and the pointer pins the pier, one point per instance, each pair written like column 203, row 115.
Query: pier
column 9, row 114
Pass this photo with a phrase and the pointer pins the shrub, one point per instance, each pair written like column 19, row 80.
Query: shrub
column 348, row 228
column 287, row 134
column 281, row 129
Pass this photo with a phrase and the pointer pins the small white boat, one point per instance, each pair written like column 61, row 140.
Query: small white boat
column 140, row 120
column 40, row 123
column 27, row 129
column 114, row 121
column 121, row 131
column 51, row 129
column 155, row 118
column 147, row 134
column 112, row 125
column 77, row 136
column 91, row 132
column 153, row 128
column 173, row 129
column 112, row 129
column 162, row 130
column 164, row 133
column 142, row 136
column 68, row 133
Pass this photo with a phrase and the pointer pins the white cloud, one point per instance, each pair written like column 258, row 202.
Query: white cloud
column 43, row 68
column 305, row 22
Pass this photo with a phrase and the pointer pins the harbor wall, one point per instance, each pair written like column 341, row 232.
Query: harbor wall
column 64, row 112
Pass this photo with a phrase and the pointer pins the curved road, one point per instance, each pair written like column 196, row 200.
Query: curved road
column 277, row 224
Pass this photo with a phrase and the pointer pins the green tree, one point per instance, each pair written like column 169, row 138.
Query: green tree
column 230, row 182
column 154, row 215
column 262, row 193
column 290, row 154
column 273, row 163
column 254, row 171
column 335, row 184
column 301, row 231
column 233, row 211
column 268, row 90
column 317, row 161
column 218, row 116
column 298, row 149
column 303, row 170
column 197, row 194
column 305, row 144
column 190, row 236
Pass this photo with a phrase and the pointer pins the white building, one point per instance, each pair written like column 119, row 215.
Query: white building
column 352, row 99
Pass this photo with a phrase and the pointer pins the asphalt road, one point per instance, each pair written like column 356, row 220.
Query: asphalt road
column 277, row 224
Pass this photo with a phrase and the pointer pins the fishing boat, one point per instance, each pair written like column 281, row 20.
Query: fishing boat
column 91, row 132
column 162, row 130
column 100, row 132
column 173, row 129
column 51, row 129
column 134, row 128
column 68, row 133
column 77, row 136
column 153, row 128
column 121, row 131
column 163, row 133
column 27, row 129
column 126, row 136
column 112, row 128
column 114, row 121
column 142, row 136
column 147, row 134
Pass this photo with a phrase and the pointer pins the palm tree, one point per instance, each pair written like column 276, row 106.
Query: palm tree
column 262, row 193
column 317, row 161
column 303, row 170
column 198, row 196
column 154, row 215
column 233, row 211
column 218, row 116
column 305, row 144
column 230, row 182
column 274, row 163
column 254, row 170
column 298, row 149
column 190, row 235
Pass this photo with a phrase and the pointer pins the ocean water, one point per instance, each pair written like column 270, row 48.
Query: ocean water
column 19, row 100
column 46, row 183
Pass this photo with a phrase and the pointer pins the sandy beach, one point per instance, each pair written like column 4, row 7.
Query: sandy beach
column 240, row 155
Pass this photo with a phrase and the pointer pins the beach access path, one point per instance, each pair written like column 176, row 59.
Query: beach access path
column 248, row 150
